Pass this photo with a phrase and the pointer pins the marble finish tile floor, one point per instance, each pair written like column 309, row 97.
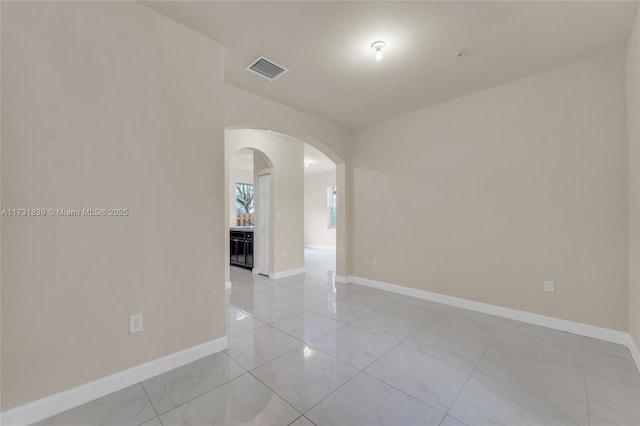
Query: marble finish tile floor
column 307, row 351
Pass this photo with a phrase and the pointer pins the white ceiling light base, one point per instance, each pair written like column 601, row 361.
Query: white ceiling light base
column 378, row 46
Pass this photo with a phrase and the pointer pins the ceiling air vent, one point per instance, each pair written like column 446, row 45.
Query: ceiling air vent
column 266, row 68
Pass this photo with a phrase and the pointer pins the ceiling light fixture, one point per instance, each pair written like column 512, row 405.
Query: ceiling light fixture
column 377, row 46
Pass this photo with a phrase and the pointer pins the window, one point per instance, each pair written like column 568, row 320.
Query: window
column 244, row 198
column 331, row 203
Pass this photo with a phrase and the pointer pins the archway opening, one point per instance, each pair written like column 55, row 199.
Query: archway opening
column 320, row 214
column 249, row 214
column 300, row 220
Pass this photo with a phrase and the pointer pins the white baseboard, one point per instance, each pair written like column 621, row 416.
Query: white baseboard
column 284, row 274
column 606, row 334
column 43, row 408
column 321, row 248
column 227, row 285
column 341, row 279
column 635, row 352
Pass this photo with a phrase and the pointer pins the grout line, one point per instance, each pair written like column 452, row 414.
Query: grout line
column 355, row 375
column 331, row 393
column 404, row 393
column 276, row 393
column 470, row 375
column 296, row 419
column 206, row 392
column 272, row 325
column 248, row 331
column 288, row 334
column 286, row 353
column 584, row 376
column 212, row 389
column 338, row 360
column 150, row 402
column 267, row 362
column 398, row 343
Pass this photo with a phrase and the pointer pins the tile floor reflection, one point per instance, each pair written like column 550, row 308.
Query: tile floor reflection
column 306, row 351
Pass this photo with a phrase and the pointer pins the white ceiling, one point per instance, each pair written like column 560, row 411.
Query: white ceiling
column 333, row 73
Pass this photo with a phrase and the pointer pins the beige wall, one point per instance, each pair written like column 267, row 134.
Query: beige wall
column 633, row 134
column 504, row 188
column 316, row 212
column 244, row 109
column 112, row 105
column 236, row 176
column 287, row 190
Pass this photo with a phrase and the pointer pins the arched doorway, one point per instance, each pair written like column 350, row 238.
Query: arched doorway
column 246, row 168
column 286, row 155
column 340, row 186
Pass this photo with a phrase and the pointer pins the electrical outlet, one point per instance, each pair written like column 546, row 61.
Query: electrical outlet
column 374, row 261
column 135, row 323
column 549, row 286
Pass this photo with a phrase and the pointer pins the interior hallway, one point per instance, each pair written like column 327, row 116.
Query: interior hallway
column 305, row 350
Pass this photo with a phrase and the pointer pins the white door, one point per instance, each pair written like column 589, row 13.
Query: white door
column 264, row 223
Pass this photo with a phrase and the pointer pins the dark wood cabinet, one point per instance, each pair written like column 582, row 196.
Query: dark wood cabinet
column 241, row 248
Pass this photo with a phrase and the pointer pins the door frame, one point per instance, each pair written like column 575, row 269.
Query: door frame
column 263, row 243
